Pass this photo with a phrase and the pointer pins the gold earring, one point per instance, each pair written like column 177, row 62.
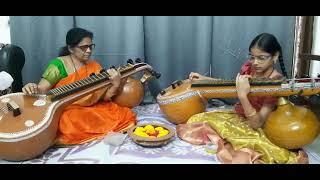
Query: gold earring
column 275, row 61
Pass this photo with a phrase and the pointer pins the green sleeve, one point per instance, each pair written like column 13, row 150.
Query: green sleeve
column 55, row 71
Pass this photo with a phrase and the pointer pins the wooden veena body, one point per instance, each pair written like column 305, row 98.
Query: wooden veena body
column 185, row 98
column 291, row 126
column 131, row 93
column 28, row 124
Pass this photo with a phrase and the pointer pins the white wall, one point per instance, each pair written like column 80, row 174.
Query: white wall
column 4, row 30
column 315, row 65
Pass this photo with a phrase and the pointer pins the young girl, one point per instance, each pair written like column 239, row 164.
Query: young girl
column 264, row 52
column 247, row 143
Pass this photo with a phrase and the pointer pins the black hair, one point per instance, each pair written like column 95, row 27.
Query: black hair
column 269, row 43
column 73, row 38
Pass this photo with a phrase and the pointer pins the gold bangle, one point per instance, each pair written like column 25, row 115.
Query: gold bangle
column 252, row 114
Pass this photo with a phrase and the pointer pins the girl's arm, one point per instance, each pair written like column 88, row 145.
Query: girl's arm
column 254, row 119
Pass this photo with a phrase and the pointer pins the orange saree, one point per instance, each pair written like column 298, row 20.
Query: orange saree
column 90, row 118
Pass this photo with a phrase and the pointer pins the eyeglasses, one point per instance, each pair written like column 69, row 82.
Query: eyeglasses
column 84, row 48
column 260, row 59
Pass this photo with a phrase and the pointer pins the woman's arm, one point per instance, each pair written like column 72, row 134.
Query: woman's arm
column 115, row 80
column 111, row 91
column 51, row 76
column 41, row 88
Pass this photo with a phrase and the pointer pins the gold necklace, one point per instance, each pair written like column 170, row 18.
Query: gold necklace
column 75, row 69
column 271, row 72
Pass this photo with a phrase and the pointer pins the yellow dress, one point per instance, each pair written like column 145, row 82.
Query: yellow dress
column 231, row 127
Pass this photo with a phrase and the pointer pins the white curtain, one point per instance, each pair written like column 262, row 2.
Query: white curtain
column 4, row 30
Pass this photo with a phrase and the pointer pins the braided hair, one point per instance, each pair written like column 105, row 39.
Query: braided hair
column 269, row 43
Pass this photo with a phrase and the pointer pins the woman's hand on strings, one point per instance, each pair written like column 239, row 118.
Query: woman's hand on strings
column 30, row 89
column 115, row 77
